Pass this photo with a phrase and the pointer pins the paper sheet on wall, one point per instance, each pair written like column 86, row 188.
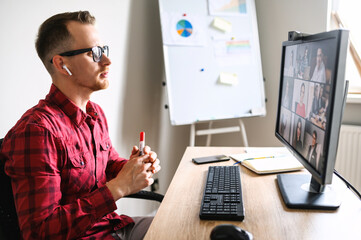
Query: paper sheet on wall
column 231, row 52
column 183, row 29
column 227, row 7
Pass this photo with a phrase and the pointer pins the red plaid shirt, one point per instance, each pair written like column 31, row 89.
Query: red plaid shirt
column 59, row 159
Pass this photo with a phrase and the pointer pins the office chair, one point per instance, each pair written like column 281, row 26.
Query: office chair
column 9, row 225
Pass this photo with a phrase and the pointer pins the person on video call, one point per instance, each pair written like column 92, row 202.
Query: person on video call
column 283, row 124
column 291, row 68
column 315, row 102
column 286, row 98
column 312, row 150
column 322, row 101
column 303, row 64
column 66, row 175
column 300, row 106
column 298, row 144
column 319, row 74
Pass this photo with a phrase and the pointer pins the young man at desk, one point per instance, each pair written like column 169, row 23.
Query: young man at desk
column 66, row 175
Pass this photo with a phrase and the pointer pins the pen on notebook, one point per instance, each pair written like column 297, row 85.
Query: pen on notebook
column 278, row 156
column 141, row 143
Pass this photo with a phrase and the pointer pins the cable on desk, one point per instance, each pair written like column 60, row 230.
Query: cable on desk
column 349, row 185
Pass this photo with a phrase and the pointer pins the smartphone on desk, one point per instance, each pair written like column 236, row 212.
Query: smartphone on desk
column 210, row 159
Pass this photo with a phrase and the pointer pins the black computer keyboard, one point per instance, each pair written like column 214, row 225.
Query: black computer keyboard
column 222, row 198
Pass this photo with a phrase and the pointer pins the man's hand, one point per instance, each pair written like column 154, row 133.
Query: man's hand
column 155, row 167
column 136, row 174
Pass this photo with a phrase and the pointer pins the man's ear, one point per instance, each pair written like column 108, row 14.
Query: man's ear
column 58, row 63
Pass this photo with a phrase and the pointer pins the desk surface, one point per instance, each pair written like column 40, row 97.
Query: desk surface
column 266, row 216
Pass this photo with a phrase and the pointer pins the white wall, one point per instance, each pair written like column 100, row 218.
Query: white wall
column 24, row 80
column 134, row 100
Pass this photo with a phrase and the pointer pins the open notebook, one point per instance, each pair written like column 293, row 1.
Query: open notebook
column 268, row 160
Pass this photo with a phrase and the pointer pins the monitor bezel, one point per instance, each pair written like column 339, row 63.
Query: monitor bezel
column 336, row 100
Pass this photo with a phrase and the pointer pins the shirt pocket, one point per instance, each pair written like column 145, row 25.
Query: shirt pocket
column 105, row 145
column 79, row 160
column 78, row 172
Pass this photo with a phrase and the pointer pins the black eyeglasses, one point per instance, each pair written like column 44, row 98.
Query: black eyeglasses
column 97, row 52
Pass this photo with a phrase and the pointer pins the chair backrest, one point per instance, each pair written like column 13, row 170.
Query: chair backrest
column 9, row 225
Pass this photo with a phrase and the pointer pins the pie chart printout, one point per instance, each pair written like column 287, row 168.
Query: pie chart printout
column 184, row 28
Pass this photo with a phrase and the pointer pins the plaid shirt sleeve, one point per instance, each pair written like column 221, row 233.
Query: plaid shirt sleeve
column 115, row 164
column 35, row 161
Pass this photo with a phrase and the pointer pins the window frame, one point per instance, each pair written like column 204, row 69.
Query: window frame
column 354, row 91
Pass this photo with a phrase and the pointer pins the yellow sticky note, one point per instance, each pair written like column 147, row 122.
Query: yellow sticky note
column 222, row 24
column 228, row 78
column 258, row 111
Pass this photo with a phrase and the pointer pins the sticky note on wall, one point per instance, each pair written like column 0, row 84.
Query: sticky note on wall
column 228, row 78
column 222, row 24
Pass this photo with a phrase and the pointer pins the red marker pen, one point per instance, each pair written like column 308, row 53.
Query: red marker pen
column 141, row 143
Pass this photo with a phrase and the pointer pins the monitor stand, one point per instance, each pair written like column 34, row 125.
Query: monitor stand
column 300, row 192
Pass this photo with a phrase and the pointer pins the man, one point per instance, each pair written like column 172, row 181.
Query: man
column 322, row 100
column 312, row 153
column 315, row 102
column 298, row 144
column 66, row 175
column 319, row 74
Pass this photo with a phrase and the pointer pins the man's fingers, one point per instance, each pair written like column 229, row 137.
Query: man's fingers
column 146, row 166
column 146, row 149
column 150, row 181
column 135, row 149
column 156, row 169
column 153, row 156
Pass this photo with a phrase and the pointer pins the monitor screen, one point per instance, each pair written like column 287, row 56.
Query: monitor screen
column 311, row 98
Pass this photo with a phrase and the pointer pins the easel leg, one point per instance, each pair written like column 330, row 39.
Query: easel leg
column 243, row 132
column 209, row 136
column 192, row 135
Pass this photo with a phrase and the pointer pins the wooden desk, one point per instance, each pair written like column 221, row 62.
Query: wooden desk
column 266, row 216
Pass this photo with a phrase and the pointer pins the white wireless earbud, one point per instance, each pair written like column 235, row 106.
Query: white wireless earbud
column 66, row 69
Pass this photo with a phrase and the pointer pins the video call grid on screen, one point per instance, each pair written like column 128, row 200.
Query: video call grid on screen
column 307, row 77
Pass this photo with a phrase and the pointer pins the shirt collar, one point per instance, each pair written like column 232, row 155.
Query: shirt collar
column 69, row 108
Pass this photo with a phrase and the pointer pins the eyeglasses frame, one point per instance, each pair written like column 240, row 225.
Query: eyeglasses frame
column 84, row 50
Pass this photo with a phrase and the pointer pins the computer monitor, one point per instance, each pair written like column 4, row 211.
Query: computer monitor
column 310, row 108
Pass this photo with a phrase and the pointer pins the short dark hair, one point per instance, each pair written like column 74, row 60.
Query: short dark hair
column 54, row 37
